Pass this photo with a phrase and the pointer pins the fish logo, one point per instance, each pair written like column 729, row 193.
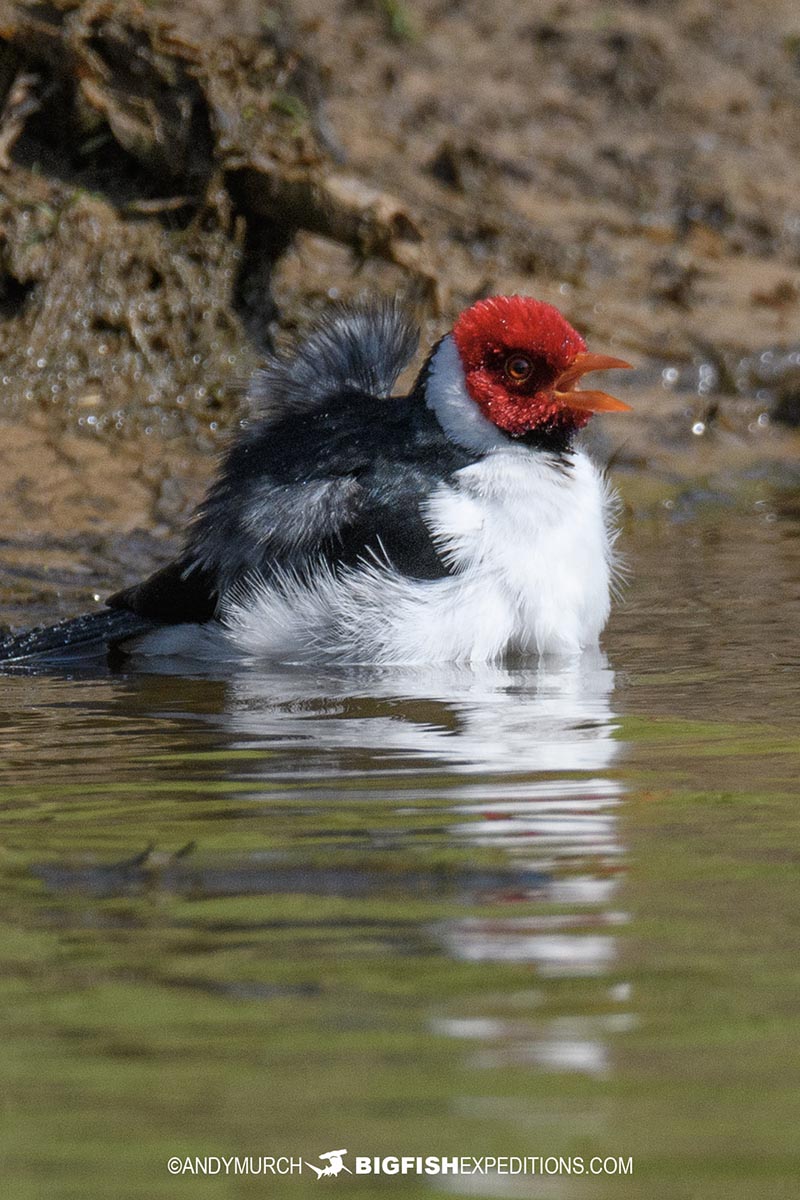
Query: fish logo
column 335, row 1165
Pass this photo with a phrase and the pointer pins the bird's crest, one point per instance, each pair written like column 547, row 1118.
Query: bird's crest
column 357, row 349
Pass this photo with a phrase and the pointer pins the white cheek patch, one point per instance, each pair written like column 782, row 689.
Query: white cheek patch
column 458, row 414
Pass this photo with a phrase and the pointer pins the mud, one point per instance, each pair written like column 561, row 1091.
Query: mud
column 183, row 184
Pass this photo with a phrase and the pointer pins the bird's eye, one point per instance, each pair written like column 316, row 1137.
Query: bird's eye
column 518, row 367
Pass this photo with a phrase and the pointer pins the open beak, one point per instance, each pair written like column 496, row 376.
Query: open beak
column 589, row 401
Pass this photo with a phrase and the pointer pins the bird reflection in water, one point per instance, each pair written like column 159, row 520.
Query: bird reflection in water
column 519, row 761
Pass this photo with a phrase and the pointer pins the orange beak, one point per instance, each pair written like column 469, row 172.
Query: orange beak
column 589, row 401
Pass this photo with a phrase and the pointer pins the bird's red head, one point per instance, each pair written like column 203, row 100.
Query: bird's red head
column 522, row 364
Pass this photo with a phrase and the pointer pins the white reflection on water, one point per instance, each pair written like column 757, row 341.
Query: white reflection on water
column 571, row 954
column 520, row 761
column 523, row 761
column 481, row 719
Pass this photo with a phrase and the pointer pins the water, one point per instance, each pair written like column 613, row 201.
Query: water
column 454, row 912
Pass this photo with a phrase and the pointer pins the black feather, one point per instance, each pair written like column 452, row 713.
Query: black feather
column 90, row 635
column 355, row 349
column 330, row 474
column 179, row 592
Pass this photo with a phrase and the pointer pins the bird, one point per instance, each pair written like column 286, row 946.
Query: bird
column 462, row 522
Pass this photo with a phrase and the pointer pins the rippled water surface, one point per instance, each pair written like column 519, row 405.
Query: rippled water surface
column 449, row 912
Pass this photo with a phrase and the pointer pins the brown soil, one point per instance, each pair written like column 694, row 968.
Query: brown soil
column 182, row 183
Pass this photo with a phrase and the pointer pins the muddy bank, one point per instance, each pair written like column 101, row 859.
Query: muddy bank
column 181, row 185
column 152, row 178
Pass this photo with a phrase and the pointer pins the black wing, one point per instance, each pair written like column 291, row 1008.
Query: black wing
column 332, row 473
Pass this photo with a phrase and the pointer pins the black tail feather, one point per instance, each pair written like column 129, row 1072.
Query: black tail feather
column 89, row 636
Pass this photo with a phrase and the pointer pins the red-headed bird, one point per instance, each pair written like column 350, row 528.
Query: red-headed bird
column 459, row 523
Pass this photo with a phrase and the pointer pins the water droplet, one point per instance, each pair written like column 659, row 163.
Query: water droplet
column 699, row 428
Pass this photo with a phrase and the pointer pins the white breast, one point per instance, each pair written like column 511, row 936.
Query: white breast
column 526, row 537
column 530, row 531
